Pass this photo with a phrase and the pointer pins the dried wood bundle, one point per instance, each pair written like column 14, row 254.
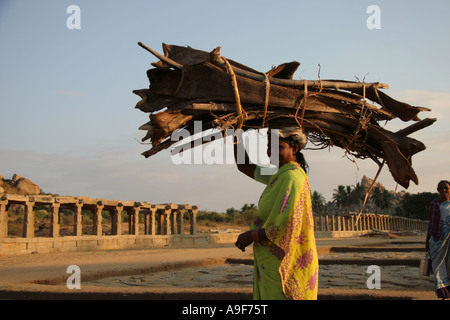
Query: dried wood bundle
column 188, row 85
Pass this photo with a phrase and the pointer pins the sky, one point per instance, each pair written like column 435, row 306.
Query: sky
column 67, row 116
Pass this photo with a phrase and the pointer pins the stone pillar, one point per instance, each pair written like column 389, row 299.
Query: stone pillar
column 193, row 215
column 146, row 221
column 152, row 223
column 135, row 223
column 116, row 220
column 97, row 220
column 77, row 221
column 174, row 221
column 28, row 224
column 3, row 219
column 54, row 222
column 166, row 221
column 181, row 210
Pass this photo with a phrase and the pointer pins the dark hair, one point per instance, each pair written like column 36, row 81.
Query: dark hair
column 444, row 181
column 299, row 156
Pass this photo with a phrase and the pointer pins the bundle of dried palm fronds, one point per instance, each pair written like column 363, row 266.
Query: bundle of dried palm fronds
column 188, row 85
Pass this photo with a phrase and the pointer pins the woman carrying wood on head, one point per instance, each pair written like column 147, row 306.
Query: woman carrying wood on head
column 438, row 239
column 284, row 246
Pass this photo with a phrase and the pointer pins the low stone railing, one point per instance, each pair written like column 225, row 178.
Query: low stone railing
column 159, row 219
column 367, row 222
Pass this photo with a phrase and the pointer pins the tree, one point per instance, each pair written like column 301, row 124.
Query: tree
column 381, row 198
column 358, row 195
column 318, row 202
column 416, row 206
column 345, row 196
column 248, row 207
column 340, row 196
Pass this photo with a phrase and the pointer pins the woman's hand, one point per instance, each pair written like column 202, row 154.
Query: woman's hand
column 244, row 240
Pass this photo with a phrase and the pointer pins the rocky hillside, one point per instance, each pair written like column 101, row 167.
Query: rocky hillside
column 367, row 182
column 18, row 185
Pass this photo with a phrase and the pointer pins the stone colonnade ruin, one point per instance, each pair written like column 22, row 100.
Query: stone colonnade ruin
column 159, row 219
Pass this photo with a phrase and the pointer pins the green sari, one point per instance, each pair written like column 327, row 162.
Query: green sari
column 286, row 266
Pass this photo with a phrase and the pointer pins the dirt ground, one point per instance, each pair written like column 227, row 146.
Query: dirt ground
column 44, row 275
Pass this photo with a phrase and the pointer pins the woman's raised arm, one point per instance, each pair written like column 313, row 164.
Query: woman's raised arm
column 241, row 157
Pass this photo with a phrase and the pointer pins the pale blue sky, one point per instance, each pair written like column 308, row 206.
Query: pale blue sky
column 67, row 109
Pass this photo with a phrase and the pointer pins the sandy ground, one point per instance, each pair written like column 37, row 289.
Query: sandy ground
column 44, row 276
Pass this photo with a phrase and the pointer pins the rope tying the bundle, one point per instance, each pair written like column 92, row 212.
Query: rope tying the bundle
column 240, row 117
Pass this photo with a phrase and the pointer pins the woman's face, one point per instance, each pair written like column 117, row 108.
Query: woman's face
column 286, row 153
column 444, row 191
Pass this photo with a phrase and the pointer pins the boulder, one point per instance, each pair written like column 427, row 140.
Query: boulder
column 19, row 185
column 27, row 187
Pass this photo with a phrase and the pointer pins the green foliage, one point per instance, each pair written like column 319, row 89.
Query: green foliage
column 41, row 214
column 416, row 206
column 211, row 216
column 245, row 215
column 381, row 198
column 346, row 196
column 318, row 202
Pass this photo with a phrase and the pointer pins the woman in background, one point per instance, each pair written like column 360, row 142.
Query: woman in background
column 437, row 242
column 284, row 246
